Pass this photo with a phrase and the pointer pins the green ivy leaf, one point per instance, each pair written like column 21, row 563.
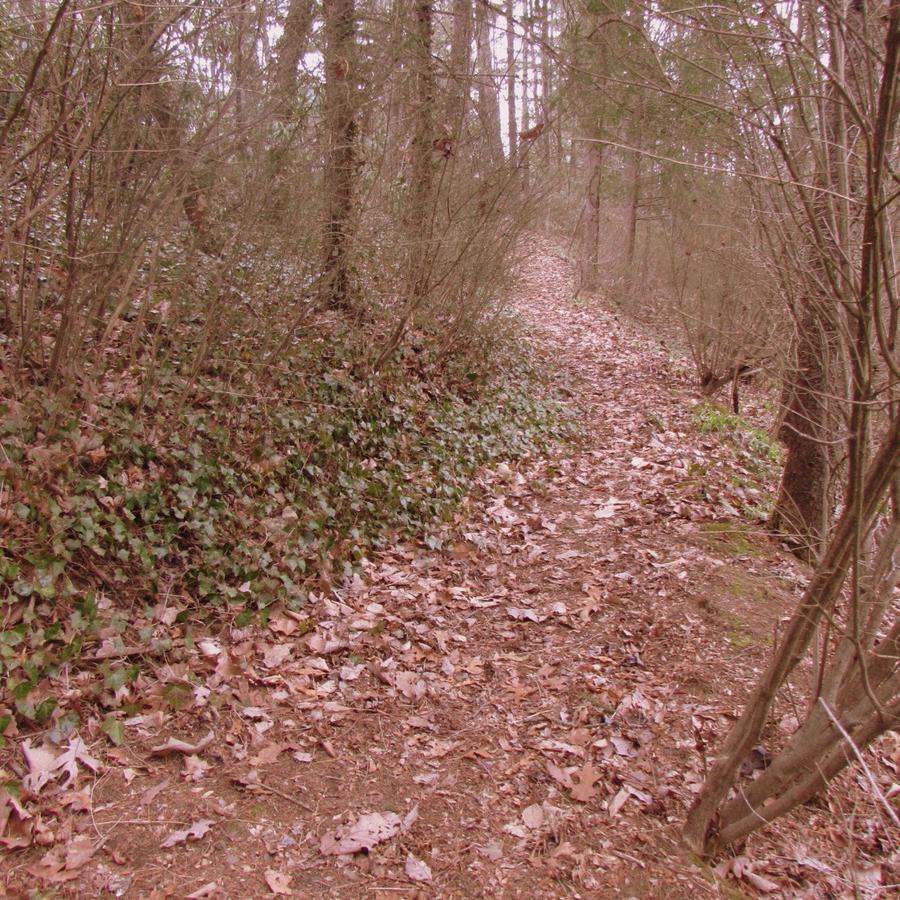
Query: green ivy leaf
column 114, row 730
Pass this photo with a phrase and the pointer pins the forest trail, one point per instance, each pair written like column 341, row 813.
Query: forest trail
column 524, row 711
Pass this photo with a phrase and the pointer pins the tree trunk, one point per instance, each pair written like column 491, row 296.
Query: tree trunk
column 546, row 82
column 634, row 199
column 488, row 98
column 511, row 130
column 819, row 599
column 340, row 165
column 457, row 100
column 290, row 49
column 164, row 103
column 590, row 233
column 802, row 510
column 420, row 221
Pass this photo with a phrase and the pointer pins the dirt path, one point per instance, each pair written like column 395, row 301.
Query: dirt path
column 527, row 710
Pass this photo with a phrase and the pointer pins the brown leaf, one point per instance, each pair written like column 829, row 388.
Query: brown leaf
column 561, row 776
column 78, row 851
column 194, row 767
column 196, row 831
column 365, row 833
column 153, row 792
column 416, row 870
column 278, row 882
column 173, row 745
column 618, row 801
column 584, row 791
column 267, row 755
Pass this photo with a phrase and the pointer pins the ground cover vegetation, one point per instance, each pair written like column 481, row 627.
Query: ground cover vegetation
column 284, row 282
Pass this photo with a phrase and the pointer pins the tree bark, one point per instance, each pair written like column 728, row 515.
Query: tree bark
column 802, row 510
column 457, row 100
column 340, row 165
column 488, row 96
column 420, row 222
column 143, row 34
column 290, row 49
column 590, row 235
column 819, row 599
column 511, row 130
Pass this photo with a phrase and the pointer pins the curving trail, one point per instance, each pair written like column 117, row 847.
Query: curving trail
column 534, row 702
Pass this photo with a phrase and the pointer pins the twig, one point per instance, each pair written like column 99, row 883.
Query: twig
column 265, row 787
column 875, row 788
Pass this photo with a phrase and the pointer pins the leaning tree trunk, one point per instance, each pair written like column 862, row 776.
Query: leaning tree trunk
column 857, row 695
column 340, row 163
column 707, row 828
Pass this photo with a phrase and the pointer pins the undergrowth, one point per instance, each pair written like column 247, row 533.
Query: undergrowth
column 132, row 516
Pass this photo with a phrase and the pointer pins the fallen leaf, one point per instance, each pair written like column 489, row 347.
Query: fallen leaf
column 42, row 766
column 51, row 867
column 194, row 768
column 278, row 882
column 417, row 870
column 276, row 654
column 153, row 792
column 209, row 648
column 584, row 791
column 410, row 685
column 78, row 851
column 524, row 614
column 365, row 833
column 618, row 801
column 196, row 831
column 267, row 755
column 493, row 850
column 533, row 816
column 174, row 745
column 560, row 776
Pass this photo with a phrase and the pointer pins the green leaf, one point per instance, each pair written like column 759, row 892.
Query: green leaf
column 114, row 730
column 65, row 726
column 44, row 710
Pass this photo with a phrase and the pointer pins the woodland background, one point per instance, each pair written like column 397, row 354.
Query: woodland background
column 254, row 258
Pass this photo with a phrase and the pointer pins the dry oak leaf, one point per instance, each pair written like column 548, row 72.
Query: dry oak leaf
column 584, row 791
column 197, row 830
column 364, row 834
column 206, row 890
column 276, row 654
column 78, row 851
column 416, row 870
column 618, row 801
column 267, row 755
column 533, row 816
column 16, row 823
column 278, row 882
column 173, row 745
column 45, row 764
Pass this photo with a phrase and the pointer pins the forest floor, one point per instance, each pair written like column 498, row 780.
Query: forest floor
column 526, row 712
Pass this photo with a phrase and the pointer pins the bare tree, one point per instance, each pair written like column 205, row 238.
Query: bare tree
column 855, row 695
column 488, row 93
column 340, row 167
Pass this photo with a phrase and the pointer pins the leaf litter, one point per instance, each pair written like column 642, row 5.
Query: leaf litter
column 541, row 689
